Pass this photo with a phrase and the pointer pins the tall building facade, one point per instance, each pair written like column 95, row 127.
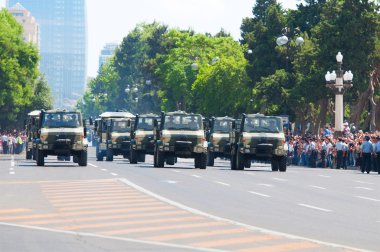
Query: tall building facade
column 63, row 46
column 107, row 53
column 28, row 22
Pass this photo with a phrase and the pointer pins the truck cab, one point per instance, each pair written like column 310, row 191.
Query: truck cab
column 31, row 128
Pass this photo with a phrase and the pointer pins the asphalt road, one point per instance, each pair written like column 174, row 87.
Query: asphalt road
column 116, row 206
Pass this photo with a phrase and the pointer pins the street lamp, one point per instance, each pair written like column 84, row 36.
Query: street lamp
column 286, row 33
column 339, row 83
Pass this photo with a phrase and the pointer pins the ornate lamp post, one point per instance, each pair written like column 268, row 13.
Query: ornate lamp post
column 339, row 83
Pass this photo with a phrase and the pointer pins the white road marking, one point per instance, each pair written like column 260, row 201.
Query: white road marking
column 267, row 185
column 222, row 183
column 260, row 194
column 12, row 173
column 254, row 228
column 170, row 181
column 366, row 198
column 294, row 172
column 315, row 208
column 280, row 179
column 176, row 171
column 324, row 176
column 104, row 169
column 362, row 182
column 11, row 169
column 93, row 165
column 114, row 174
column 75, row 234
column 364, row 188
column 196, row 176
column 318, row 187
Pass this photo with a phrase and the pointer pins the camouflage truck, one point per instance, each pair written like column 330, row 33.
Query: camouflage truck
column 258, row 137
column 61, row 133
column 113, row 135
column 180, row 134
column 142, row 141
column 31, row 128
column 218, row 138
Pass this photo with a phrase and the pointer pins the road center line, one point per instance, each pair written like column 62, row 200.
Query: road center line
column 222, row 183
column 260, row 194
column 176, row 171
column 315, row 208
column 324, row 176
column 93, row 165
column 318, row 187
column 196, row 176
column 280, row 179
column 104, row 169
column 362, row 182
column 366, row 198
column 267, row 185
column 114, row 174
column 13, row 161
column 364, row 188
column 12, row 173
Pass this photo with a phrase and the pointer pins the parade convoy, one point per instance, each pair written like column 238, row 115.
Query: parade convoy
column 167, row 137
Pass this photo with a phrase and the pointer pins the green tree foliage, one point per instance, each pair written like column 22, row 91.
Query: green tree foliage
column 18, row 72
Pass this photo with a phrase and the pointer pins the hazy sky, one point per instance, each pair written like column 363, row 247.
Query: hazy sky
column 111, row 20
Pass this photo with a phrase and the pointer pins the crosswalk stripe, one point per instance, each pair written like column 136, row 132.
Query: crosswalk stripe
column 134, row 222
column 106, row 217
column 235, row 241
column 15, row 210
column 125, row 205
column 162, row 228
column 100, row 194
column 107, row 190
column 178, row 236
column 94, row 203
column 81, row 188
column 52, row 215
column 283, row 247
column 98, row 198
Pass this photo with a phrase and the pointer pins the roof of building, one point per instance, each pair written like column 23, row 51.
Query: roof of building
column 17, row 7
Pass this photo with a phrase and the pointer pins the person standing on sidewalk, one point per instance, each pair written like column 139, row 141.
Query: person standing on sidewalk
column 367, row 149
column 377, row 152
column 339, row 153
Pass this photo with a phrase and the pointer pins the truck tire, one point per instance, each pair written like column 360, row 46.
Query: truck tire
column 170, row 160
column 233, row 158
column 202, row 161
column 239, row 161
column 99, row 155
column 40, row 158
column 82, row 158
column 282, row 163
column 109, row 156
column 34, row 153
column 247, row 163
column 28, row 154
column 274, row 164
column 76, row 158
column 133, row 157
column 210, row 158
column 141, row 157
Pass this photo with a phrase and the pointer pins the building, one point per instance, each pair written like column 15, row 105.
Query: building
column 28, row 22
column 63, row 42
column 106, row 53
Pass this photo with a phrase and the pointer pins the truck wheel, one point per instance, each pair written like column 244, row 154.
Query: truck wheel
column 170, row 160
column 82, row 159
column 109, row 156
column 141, row 157
column 210, row 158
column 233, row 158
column 40, row 158
column 202, row 161
column 239, row 161
column 160, row 159
column 274, row 164
column 133, row 158
column 282, row 164
column 99, row 155
column 28, row 154
column 75, row 159
column 34, row 153
column 247, row 163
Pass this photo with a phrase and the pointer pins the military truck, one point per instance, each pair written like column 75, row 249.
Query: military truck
column 113, row 136
column 258, row 137
column 142, row 141
column 31, row 128
column 218, row 138
column 180, row 134
column 61, row 133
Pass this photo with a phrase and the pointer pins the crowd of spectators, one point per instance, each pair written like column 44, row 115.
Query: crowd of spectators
column 12, row 142
column 354, row 148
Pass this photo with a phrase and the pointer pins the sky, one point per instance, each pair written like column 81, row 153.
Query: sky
column 111, row 20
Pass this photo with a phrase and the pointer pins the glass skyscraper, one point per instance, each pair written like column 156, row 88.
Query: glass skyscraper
column 63, row 43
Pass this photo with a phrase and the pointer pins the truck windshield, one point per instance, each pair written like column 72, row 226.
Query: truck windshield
column 145, row 123
column 62, row 120
column 183, row 122
column 120, row 126
column 222, row 126
column 262, row 124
